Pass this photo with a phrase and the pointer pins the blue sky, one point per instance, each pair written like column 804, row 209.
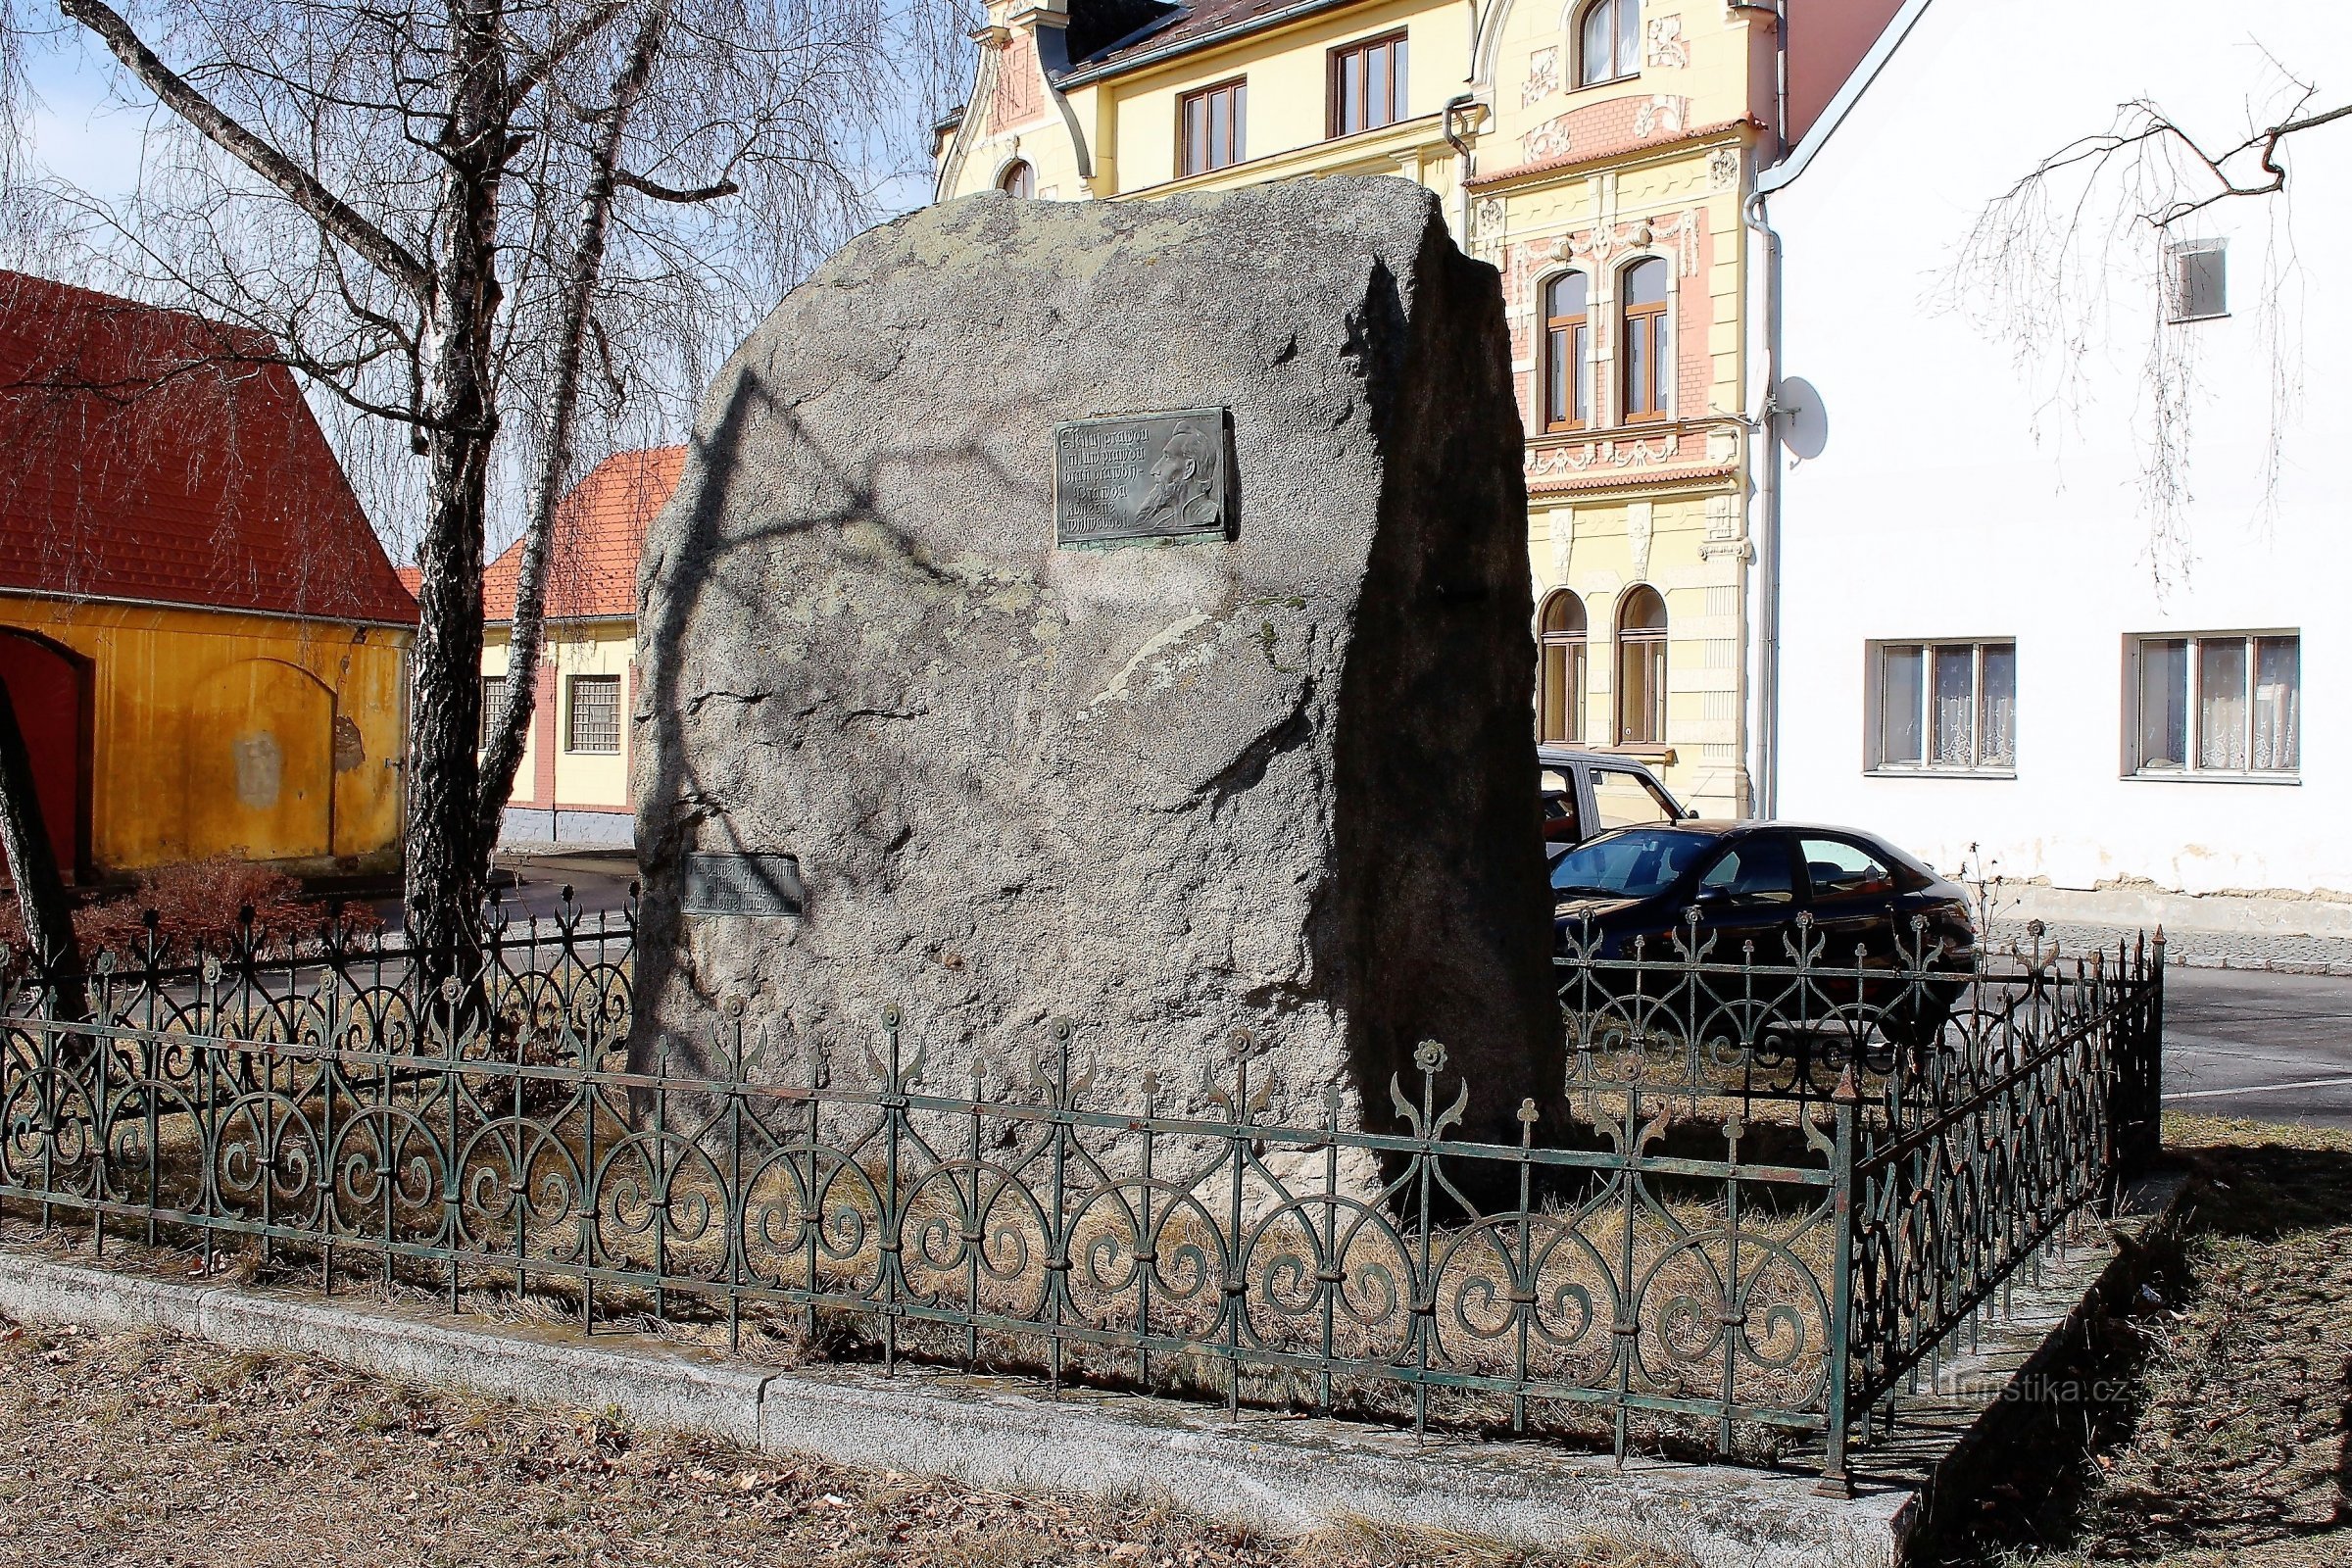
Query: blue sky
column 76, row 134
column 82, row 136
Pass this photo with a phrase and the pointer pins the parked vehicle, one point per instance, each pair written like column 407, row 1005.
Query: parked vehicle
column 1748, row 882
column 1586, row 793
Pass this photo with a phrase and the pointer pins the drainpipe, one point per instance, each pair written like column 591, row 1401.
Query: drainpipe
column 1752, row 214
column 1461, row 150
column 1767, row 434
column 1768, row 499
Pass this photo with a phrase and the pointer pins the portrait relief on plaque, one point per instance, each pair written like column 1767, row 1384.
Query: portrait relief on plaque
column 1143, row 478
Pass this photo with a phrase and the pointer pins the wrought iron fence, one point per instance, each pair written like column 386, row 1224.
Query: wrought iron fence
column 1703, row 1244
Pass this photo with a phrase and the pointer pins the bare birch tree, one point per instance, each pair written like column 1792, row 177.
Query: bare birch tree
column 2045, row 260
column 482, row 229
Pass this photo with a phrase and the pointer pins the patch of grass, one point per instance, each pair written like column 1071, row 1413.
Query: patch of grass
column 144, row 1448
column 2235, row 1443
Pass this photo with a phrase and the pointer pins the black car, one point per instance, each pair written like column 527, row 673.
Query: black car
column 1748, row 883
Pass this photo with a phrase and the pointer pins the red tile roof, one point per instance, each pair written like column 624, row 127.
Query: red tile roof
column 600, row 530
column 1133, row 32
column 145, row 456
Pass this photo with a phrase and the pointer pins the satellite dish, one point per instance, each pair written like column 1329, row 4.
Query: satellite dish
column 1804, row 421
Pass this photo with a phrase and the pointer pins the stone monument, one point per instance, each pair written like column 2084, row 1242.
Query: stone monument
column 1115, row 612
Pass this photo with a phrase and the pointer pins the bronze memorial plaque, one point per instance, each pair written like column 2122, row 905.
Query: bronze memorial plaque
column 727, row 883
column 1142, row 477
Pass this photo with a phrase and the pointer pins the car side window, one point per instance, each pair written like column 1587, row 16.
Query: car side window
column 1839, row 869
column 1756, row 870
column 1627, row 800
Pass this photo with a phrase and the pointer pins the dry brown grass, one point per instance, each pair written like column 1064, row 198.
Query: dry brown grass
column 2235, row 1449
column 127, row 1448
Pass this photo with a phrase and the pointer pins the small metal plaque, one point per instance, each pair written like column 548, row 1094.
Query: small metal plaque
column 1149, row 476
column 724, row 883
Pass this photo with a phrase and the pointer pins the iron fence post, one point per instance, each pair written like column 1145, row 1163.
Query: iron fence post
column 1836, row 1482
column 2152, row 1057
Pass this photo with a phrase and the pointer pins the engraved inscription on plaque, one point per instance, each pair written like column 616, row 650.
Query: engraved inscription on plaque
column 1148, row 476
column 726, row 883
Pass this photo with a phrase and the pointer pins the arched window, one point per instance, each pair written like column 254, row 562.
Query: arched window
column 1567, row 353
column 1647, row 358
column 1641, row 667
column 1019, row 180
column 1560, row 676
column 1609, row 42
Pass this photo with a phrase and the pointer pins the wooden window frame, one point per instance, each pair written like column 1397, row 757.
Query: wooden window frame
column 1357, row 55
column 572, row 715
column 1643, row 638
column 1661, row 346
column 1020, row 171
column 1573, row 648
column 1616, row 46
column 1578, row 330
column 1235, row 90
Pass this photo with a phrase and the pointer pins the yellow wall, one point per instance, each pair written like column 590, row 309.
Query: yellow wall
column 213, row 732
column 495, row 653
column 581, row 778
column 584, row 778
column 1129, row 121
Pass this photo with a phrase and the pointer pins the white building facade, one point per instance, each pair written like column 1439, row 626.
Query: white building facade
column 2061, row 519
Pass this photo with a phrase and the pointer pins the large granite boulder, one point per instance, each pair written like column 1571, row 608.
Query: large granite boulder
column 1270, row 769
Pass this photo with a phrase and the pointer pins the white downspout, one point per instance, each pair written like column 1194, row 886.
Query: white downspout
column 1767, row 505
column 1752, row 214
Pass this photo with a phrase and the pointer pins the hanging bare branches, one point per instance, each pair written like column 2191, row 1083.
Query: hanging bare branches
column 2098, row 224
column 433, row 210
column 509, row 728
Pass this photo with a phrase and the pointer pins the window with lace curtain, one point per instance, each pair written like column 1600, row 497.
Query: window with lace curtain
column 1944, row 708
column 2217, row 704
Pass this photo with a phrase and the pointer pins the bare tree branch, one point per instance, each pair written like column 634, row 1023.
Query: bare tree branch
column 527, row 632
column 2090, row 224
column 666, row 193
column 299, row 185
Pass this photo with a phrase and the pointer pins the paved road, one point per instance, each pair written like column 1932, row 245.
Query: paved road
column 2238, row 1042
column 2269, row 1046
column 598, row 882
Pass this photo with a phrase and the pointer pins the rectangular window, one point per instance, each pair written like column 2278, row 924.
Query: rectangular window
column 2197, row 279
column 494, row 692
column 1944, row 707
column 1209, row 128
column 595, row 724
column 2219, row 703
column 1641, row 691
column 1367, row 85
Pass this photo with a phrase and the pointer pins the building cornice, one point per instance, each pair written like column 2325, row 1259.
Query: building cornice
column 1742, row 132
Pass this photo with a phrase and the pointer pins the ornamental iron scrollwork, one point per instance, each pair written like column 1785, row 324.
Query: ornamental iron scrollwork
column 1774, row 1186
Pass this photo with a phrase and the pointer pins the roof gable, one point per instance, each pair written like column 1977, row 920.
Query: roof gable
column 153, row 455
column 598, row 534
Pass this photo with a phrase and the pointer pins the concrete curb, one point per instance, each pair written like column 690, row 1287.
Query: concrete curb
column 1279, row 1474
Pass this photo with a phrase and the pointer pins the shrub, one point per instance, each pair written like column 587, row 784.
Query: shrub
column 197, row 904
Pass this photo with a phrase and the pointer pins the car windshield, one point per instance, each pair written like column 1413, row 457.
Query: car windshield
column 1631, row 864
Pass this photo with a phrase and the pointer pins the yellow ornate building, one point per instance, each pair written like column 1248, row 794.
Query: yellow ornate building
column 1598, row 155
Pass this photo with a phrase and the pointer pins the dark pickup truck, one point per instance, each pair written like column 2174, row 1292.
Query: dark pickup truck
column 1591, row 791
